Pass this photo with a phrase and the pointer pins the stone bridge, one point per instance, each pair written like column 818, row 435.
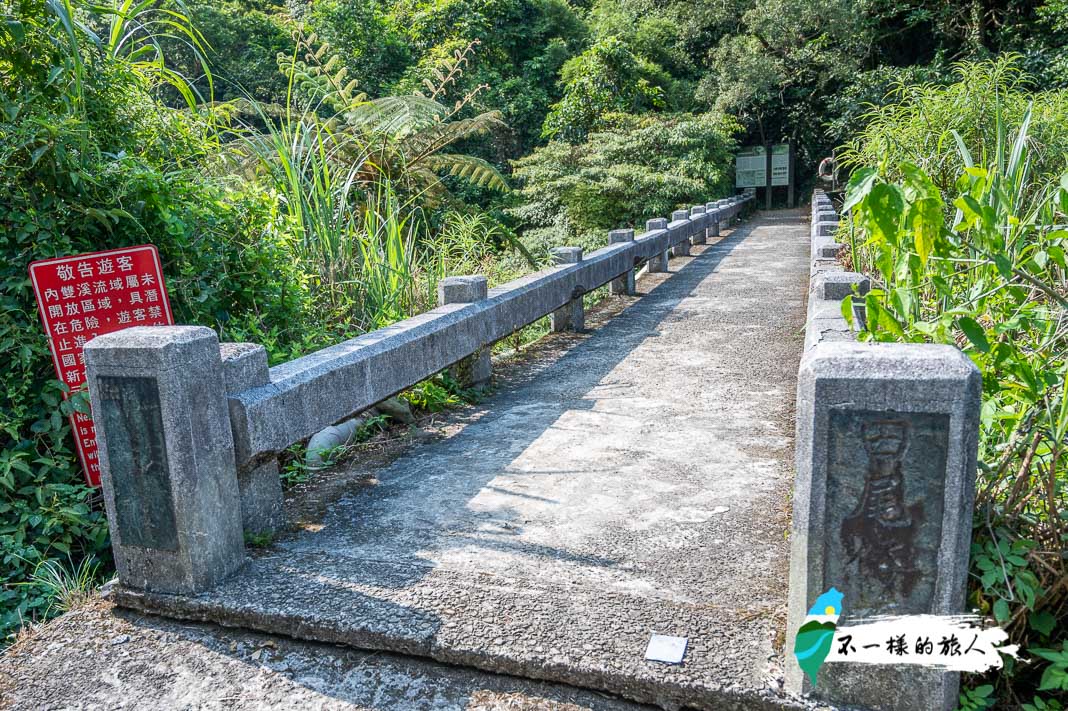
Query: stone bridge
column 640, row 472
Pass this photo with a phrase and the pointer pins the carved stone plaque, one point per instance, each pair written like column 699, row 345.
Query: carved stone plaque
column 885, row 487
column 137, row 461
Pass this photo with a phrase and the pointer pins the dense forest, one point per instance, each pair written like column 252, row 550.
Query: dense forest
column 310, row 170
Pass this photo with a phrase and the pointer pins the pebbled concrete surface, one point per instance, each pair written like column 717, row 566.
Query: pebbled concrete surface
column 99, row 658
column 636, row 481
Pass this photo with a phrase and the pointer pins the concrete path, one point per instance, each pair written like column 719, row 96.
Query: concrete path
column 101, row 658
column 637, row 480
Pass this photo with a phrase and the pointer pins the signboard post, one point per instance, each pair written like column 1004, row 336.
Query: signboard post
column 86, row 295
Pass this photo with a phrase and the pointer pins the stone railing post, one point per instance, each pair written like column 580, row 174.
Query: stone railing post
column 681, row 248
column 476, row 370
column 167, row 457
column 724, row 213
column 658, row 263
column 245, row 367
column 625, row 283
column 697, row 214
column 713, row 220
column 572, row 315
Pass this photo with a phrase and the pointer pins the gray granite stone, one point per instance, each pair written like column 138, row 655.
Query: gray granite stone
column 830, row 250
column 624, row 284
column 462, row 289
column 901, row 419
column 714, row 220
column 697, row 216
column 680, row 221
column 659, row 261
column 572, row 315
column 724, row 213
column 262, row 511
column 244, row 367
column 826, row 228
column 838, row 285
column 167, row 458
column 476, row 370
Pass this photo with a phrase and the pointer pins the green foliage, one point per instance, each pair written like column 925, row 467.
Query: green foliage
column 638, row 168
column 241, row 44
column 522, row 45
column 434, row 395
column 916, row 125
column 981, row 265
column 90, row 161
column 977, row 699
column 66, row 586
column 366, row 38
column 605, row 79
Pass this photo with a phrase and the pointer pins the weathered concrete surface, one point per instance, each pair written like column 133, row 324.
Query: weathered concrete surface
column 97, row 658
column 639, row 483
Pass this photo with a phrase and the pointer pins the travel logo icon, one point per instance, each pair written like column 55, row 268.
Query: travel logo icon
column 946, row 642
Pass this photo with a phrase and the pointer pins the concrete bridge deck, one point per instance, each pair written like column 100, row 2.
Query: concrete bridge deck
column 635, row 480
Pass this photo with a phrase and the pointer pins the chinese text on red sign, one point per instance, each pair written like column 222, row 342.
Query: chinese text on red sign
column 86, row 295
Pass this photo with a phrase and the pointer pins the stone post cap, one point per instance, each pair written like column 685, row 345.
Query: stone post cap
column 159, row 347
column 905, row 362
column 566, row 255
column 462, row 289
column 622, row 235
column 657, row 223
column 826, row 228
column 830, row 249
column 244, row 366
column 835, row 286
column 680, row 215
column 697, row 210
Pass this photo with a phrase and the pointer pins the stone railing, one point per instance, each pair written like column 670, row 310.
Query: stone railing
column 190, row 431
column 885, row 483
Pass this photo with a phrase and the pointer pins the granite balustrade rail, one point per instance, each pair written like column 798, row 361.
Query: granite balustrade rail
column 317, row 390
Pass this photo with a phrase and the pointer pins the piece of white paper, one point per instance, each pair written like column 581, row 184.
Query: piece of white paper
column 663, row 648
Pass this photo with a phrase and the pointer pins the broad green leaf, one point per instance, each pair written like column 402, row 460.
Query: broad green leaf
column 1004, row 266
column 974, row 332
column 860, row 184
column 1042, row 622
column 925, row 219
column 847, row 309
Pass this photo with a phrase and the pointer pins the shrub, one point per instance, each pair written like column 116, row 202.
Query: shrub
column 635, row 169
column 915, row 125
column 605, row 79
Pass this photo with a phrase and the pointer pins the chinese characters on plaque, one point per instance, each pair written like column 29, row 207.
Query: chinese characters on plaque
column 84, row 296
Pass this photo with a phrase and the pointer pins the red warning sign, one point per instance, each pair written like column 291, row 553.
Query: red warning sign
column 86, row 295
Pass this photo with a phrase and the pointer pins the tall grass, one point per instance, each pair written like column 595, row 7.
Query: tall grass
column 917, row 122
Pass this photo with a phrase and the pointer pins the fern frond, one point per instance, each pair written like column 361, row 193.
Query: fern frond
column 474, row 170
column 439, row 136
column 396, row 116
